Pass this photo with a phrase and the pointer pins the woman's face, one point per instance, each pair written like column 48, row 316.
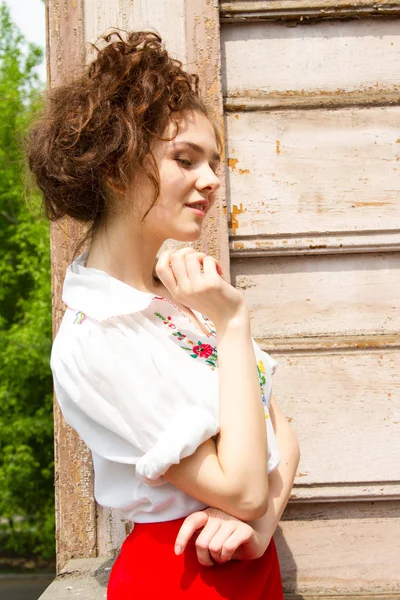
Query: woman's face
column 188, row 180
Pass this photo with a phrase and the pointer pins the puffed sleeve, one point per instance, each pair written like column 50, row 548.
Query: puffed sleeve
column 126, row 402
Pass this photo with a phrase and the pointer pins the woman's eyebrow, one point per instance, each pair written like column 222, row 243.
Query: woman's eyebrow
column 200, row 149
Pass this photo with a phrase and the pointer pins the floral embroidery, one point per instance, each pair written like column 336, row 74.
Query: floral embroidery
column 261, row 372
column 196, row 349
column 167, row 320
column 199, row 350
column 203, row 350
column 209, row 324
column 79, row 318
column 262, row 380
column 209, row 353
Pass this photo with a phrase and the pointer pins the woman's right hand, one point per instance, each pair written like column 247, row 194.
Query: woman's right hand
column 221, row 539
column 194, row 279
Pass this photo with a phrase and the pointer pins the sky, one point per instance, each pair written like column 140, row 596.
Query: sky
column 29, row 15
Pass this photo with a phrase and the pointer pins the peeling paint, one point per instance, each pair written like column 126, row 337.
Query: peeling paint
column 233, row 221
column 361, row 204
column 244, row 171
column 232, row 162
column 238, row 245
column 278, row 147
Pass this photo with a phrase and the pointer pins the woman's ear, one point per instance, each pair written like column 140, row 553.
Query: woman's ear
column 113, row 186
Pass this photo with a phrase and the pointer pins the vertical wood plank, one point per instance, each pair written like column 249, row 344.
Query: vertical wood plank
column 204, row 58
column 75, row 505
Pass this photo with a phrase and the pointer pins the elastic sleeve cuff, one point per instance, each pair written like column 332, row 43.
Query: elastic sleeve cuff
column 184, row 434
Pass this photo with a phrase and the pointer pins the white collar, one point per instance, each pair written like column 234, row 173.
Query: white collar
column 98, row 295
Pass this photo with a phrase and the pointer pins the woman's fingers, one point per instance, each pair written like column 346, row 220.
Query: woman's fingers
column 166, row 271
column 178, row 266
column 189, row 526
column 194, row 267
column 204, row 540
column 210, row 267
column 238, row 537
column 217, row 544
column 222, row 537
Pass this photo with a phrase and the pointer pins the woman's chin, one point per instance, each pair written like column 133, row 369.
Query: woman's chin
column 187, row 234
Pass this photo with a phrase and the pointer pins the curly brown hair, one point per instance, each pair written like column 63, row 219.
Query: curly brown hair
column 99, row 128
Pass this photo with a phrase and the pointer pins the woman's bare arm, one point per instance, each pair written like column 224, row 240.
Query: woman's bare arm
column 282, row 478
column 231, row 473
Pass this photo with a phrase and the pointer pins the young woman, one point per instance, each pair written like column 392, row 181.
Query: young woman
column 154, row 364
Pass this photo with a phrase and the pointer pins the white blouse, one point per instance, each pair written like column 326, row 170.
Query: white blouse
column 138, row 381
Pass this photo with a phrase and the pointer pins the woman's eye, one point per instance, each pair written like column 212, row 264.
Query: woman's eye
column 186, row 162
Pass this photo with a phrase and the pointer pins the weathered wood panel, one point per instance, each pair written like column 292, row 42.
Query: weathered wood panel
column 345, row 408
column 346, row 548
column 167, row 18
column 304, row 11
column 313, row 157
column 328, row 296
column 297, row 176
column 274, row 59
column 75, row 506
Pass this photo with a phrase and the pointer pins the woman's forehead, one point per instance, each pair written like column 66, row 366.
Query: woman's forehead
column 194, row 129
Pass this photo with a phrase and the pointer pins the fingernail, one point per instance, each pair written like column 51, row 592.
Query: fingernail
column 178, row 549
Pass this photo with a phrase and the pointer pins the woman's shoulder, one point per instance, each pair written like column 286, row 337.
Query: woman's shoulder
column 81, row 338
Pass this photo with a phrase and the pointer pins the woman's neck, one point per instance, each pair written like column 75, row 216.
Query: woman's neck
column 126, row 254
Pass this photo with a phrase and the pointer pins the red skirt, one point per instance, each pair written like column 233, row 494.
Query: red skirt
column 148, row 569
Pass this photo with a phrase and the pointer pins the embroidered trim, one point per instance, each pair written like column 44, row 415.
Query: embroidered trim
column 207, row 352
column 209, row 324
column 79, row 318
column 262, row 380
column 198, row 349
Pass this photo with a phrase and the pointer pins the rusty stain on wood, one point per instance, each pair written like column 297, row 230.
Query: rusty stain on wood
column 233, row 220
column 361, row 204
column 232, row 162
column 238, row 245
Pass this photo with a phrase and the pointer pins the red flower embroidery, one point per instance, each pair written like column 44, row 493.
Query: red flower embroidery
column 203, row 350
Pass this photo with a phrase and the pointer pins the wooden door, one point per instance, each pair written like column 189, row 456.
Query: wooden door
column 311, row 99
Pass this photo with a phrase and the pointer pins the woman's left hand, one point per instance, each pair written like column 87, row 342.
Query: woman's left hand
column 222, row 538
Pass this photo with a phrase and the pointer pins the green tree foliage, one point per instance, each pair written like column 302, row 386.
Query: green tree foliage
column 26, row 423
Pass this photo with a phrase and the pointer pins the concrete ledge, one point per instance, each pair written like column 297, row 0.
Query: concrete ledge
column 84, row 578
column 87, row 579
column 366, row 596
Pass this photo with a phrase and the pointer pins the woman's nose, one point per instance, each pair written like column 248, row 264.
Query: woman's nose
column 208, row 179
